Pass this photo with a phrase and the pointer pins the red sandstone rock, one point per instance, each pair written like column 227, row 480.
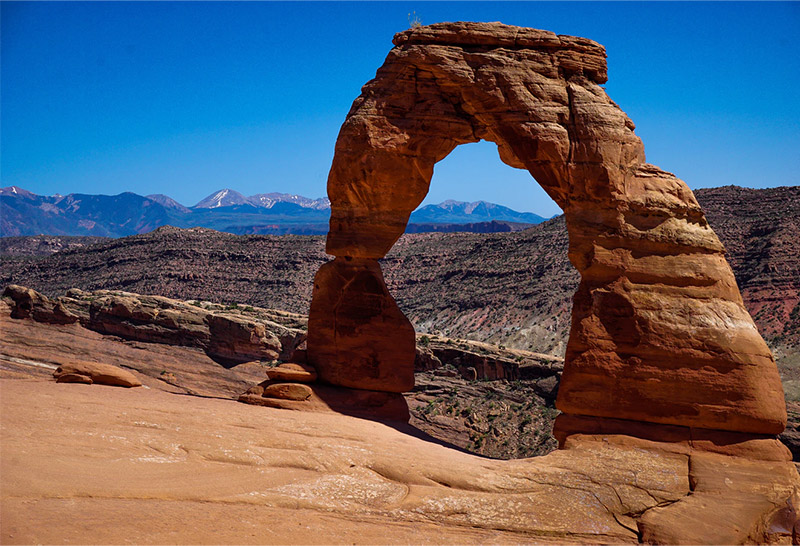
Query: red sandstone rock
column 287, row 391
column 659, row 331
column 239, row 338
column 381, row 405
column 290, row 371
column 28, row 303
column 358, row 337
column 95, row 372
column 226, row 336
column 73, row 378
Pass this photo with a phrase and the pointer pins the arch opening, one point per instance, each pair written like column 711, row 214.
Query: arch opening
column 474, row 172
column 489, row 290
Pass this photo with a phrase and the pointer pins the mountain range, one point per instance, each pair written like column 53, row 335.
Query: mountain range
column 25, row 213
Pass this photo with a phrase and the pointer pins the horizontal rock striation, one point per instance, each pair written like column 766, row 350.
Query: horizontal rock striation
column 227, row 337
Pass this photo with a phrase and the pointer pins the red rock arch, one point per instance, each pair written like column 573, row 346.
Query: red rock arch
column 659, row 333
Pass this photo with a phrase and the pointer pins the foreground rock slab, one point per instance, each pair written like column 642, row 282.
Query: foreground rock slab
column 145, row 466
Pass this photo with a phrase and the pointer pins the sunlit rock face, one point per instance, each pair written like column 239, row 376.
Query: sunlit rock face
column 659, row 333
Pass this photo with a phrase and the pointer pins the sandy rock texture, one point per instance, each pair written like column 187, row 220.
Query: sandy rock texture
column 94, row 464
column 228, row 336
column 659, row 331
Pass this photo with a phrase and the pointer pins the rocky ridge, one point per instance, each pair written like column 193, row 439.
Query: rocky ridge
column 519, row 285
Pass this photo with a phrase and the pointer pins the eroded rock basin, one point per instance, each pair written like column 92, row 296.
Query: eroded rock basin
column 98, row 464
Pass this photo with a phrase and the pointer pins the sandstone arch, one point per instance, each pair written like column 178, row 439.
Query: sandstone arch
column 659, row 333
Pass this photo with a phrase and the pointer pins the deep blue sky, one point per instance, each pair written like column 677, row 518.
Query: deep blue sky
column 186, row 98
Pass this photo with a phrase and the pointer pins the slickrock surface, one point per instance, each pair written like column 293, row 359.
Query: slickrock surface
column 182, row 467
column 659, row 330
column 95, row 464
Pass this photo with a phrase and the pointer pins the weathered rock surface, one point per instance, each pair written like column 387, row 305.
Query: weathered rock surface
column 183, row 464
column 291, row 371
column 358, row 337
column 487, row 362
column 659, row 330
column 232, row 338
column 95, row 372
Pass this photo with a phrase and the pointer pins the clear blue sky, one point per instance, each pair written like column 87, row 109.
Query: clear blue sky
column 186, row 98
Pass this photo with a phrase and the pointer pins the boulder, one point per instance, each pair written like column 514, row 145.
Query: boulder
column 95, row 372
column 290, row 371
column 287, row 391
column 28, row 303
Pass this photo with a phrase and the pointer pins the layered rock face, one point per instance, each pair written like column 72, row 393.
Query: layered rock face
column 659, row 332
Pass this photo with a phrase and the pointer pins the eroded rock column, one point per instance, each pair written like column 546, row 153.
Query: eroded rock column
column 357, row 336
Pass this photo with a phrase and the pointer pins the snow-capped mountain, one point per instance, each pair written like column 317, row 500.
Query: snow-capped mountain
column 229, row 198
column 458, row 212
column 222, row 198
column 267, row 200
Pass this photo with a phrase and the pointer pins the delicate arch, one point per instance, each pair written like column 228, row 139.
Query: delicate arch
column 659, row 332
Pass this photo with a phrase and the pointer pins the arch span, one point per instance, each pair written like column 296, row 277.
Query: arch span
column 659, row 333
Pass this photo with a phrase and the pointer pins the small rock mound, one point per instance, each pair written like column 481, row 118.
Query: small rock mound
column 95, row 372
column 293, row 386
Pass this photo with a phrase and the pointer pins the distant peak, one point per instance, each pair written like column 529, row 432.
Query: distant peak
column 166, row 201
column 16, row 191
column 222, row 198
